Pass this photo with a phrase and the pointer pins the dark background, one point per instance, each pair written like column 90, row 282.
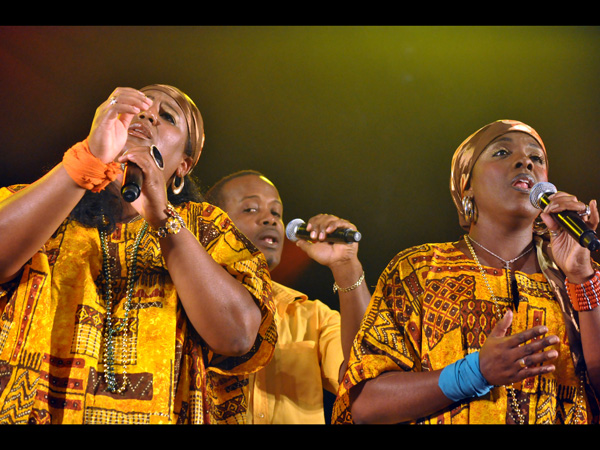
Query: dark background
column 358, row 121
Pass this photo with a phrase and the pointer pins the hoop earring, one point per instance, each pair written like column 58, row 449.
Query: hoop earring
column 468, row 208
column 174, row 187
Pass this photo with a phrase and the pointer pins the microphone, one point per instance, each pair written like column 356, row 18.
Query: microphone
column 296, row 229
column 569, row 220
column 132, row 182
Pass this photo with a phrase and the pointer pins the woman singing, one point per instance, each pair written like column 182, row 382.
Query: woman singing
column 491, row 329
column 116, row 311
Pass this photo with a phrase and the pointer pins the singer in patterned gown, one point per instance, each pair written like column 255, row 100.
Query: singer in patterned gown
column 148, row 312
column 495, row 328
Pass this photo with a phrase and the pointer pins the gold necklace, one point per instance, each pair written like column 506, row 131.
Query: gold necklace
column 507, row 263
column 510, row 390
column 515, row 406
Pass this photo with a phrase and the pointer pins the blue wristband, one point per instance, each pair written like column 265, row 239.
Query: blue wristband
column 463, row 379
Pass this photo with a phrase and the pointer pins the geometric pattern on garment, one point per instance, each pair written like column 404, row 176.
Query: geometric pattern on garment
column 21, row 396
column 443, row 299
column 478, row 322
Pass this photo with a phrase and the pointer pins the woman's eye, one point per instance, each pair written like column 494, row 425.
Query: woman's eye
column 501, row 152
column 168, row 117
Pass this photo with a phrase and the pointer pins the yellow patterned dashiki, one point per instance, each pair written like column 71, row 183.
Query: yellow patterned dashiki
column 431, row 307
column 51, row 343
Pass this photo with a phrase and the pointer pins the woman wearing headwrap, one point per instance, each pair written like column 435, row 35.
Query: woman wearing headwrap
column 486, row 329
column 128, row 312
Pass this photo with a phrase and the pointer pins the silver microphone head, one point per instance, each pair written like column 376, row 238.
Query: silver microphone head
column 539, row 189
column 292, row 228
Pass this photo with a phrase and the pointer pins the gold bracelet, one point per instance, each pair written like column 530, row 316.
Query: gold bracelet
column 350, row 288
column 173, row 225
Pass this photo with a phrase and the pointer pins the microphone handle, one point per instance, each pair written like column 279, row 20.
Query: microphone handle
column 575, row 226
column 132, row 182
column 340, row 235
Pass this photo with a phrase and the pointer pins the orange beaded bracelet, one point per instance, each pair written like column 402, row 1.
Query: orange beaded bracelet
column 87, row 170
column 585, row 296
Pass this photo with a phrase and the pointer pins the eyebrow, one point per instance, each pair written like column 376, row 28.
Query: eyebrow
column 533, row 144
column 247, row 197
column 171, row 105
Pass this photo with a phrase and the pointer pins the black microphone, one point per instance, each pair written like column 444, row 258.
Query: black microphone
column 569, row 220
column 132, row 182
column 296, row 229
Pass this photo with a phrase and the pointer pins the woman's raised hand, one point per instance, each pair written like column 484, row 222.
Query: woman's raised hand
column 569, row 255
column 111, row 121
column 153, row 198
column 325, row 253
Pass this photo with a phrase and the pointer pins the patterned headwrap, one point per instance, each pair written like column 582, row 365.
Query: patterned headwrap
column 192, row 115
column 467, row 153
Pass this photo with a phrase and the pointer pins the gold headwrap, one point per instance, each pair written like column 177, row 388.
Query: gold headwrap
column 467, row 153
column 192, row 115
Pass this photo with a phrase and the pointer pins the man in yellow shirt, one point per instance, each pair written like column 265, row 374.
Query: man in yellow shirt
column 313, row 339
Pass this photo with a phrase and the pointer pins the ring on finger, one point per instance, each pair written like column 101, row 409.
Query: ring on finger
column 113, row 100
column 157, row 157
column 555, row 233
column 586, row 212
column 522, row 363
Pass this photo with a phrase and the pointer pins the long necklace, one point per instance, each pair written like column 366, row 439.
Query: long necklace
column 112, row 326
column 510, row 281
column 515, row 406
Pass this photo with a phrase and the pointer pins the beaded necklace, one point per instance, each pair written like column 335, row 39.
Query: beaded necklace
column 112, row 326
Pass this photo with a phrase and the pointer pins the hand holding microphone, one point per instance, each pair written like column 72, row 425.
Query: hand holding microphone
column 332, row 245
column 296, row 229
column 133, row 178
column 109, row 130
column 568, row 220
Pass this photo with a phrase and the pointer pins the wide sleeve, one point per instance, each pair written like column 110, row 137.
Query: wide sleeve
column 388, row 337
column 240, row 258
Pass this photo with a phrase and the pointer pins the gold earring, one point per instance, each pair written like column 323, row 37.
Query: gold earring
column 177, row 188
column 468, row 208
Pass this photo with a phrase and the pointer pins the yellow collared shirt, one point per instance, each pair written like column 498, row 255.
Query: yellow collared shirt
column 307, row 359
